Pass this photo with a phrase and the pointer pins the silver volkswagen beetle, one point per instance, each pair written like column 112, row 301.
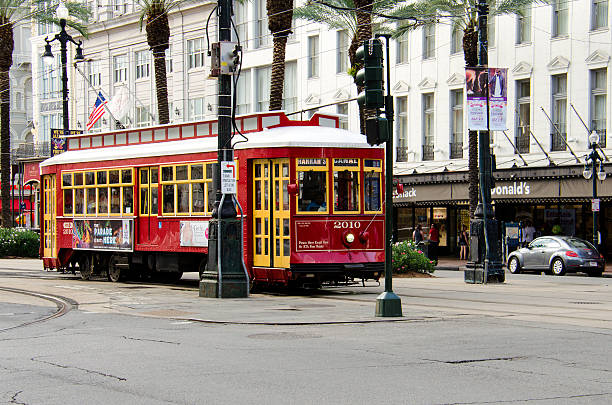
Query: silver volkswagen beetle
column 557, row 255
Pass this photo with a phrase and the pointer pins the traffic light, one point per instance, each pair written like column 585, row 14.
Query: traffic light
column 377, row 130
column 371, row 76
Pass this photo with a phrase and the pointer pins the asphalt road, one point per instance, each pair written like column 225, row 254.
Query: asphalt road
column 535, row 339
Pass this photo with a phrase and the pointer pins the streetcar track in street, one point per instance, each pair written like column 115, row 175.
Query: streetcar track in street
column 64, row 305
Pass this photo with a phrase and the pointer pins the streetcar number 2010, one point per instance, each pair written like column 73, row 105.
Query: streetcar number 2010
column 347, row 224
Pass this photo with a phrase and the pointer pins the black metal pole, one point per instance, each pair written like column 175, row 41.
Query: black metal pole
column 63, row 39
column 594, row 159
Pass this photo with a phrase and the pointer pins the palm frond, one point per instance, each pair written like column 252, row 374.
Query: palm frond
column 501, row 7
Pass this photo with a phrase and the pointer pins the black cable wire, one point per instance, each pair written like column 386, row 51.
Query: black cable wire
column 207, row 23
column 235, row 92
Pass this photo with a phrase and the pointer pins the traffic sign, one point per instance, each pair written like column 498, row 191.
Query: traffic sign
column 228, row 177
column 595, row 205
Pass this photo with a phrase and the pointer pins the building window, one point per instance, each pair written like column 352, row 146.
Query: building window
column 143, row 118
column 94, row 73
column 242, row 21
column 523, row 27
column 120, row 64
column 456, row 38
column 491, row 31
column 120, row 7
column 262, row 88
column 290, row 98
column 560, row 17
column 402, row 129
column 142, row 64
column 243, row 93
column 342, row 110
column 599, row 17
column 402, row 48
column 599, row 103
column 168, row 58
column 456, row 141
column 262, row 33
column 196, row 109
column 429, row 41
column 523, row 97
column 195, row 52
column 559, row 112
column 50, row 80
column 18, row 100
column 342, row 60
column 428, row 126
column 313, row 56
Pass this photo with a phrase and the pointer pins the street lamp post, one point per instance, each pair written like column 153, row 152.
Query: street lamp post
column 63, row 38
column 594, row 164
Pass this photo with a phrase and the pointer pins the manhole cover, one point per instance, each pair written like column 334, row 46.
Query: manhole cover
column 283, row 336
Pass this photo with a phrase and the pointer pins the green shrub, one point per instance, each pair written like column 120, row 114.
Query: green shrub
column 18, row 242
column 407, row 257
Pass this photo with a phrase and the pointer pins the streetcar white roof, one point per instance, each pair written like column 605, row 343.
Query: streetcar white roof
column 281, row 137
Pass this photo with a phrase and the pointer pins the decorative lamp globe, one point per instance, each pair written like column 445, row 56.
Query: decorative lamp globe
column 601, row 174
column 587, row 172
column 62, row 12
column 47, row 57
column 594, row 138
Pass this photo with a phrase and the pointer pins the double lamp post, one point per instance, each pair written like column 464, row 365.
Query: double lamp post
column 63, row 38
column 593, row 165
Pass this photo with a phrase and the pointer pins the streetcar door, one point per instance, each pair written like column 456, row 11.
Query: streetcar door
column 271, row 236
column 148, row 178
column 49, row 216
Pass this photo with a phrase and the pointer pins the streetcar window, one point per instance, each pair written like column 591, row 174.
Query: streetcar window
column 181, row 173
column 154, row 175
column 167, row 174
column 154, row 200
column 371, row 191
column 197, row 172
column 182, row 193
column 102, row 177
column 144, row 176
column 210, row 196
column 313, row 191
column 78, row 179
column 90, row 179
column 68, row 202
column 346, row 190
column 126, row 176
column 128, row 200
column 91, row 200
column 168, row 198
column 144, row 201
column 115, row 203
column 103, row 201
column 197, row 197
column 113, row 177
column 78, row 200
column 66, row 179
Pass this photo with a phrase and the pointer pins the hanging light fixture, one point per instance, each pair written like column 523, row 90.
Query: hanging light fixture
column 47, row 57
column 587, row 172
column 601, row 174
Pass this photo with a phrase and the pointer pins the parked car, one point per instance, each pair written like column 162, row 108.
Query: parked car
column 557, row 255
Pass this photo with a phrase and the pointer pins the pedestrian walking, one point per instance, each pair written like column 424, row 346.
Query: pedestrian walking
column 463, row 244
column 417, row 235
column 434, row 241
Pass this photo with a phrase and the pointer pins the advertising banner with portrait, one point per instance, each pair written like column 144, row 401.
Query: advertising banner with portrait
column 103, row 234
column 498, row 99
column 476, row 89
column 194, row 233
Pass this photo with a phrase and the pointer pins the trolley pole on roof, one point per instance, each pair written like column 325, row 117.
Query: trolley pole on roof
column 225, row 275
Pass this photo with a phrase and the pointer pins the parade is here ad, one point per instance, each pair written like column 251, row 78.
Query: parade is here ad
column 103, row 234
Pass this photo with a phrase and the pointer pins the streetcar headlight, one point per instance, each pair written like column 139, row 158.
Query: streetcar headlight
column 350, row 238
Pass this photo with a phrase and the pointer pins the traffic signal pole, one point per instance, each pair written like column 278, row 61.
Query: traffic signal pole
column 225, row 275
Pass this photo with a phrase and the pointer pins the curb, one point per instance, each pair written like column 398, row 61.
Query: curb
column 457, row 268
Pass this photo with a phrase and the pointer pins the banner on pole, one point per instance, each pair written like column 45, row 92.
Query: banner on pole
column 498, row 99
column 476, row 89
column 59, row 143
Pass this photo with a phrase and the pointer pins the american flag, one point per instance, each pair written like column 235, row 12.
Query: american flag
column 97, row 112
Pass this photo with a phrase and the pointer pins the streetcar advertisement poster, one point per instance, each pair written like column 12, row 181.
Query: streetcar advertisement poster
column 194, row 233
column 103, row 234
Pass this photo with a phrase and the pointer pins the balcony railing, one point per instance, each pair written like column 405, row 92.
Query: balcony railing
column 522, row 143
column 456, row 150
column 428, row 152
column 26, row 150
column 401, row 154
column 557, row 142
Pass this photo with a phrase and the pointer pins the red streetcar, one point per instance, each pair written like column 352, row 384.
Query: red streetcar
column 139, row 201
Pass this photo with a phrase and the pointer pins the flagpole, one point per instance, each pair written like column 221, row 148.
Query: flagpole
column 98, row 91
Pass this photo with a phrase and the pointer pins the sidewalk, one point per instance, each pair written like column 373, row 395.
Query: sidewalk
column 453, row 263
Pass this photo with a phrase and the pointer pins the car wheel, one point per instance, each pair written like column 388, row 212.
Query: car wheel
column 514, row 266
column 557, row 267
column 85, row 267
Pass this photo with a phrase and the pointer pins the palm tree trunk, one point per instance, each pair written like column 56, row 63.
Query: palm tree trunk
column 364, row 31
column 161, row 86
column 278, row 73
column 470, row 53
column 6, row 60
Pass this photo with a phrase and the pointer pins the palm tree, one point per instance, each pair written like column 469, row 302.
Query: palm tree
column 354, row 16
column 155, row 12
column 11, row 12
column 280, row 15
column 463, row 14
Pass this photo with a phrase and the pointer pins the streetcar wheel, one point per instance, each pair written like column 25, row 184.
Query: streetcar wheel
column 557, row 267
column 116, row 268
column 85, row 267
column 514, row 266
